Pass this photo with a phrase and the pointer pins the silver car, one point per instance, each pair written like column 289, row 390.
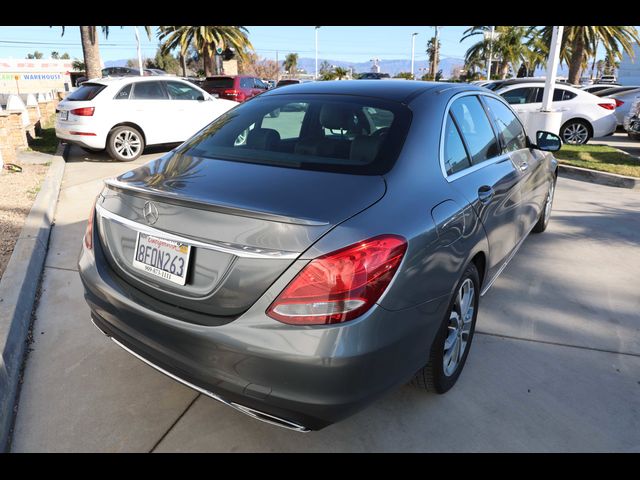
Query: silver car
column 624, row 99
column 298, row 266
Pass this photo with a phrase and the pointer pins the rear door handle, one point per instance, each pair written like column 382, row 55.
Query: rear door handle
column 485, row 193
column 524, row 166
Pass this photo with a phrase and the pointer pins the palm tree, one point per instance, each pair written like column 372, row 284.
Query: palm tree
column 91, row 50
column 340, row 72
column 579, row 42
column 434, row 55
column 205, row 40
column 509, row 48
column 290, row 63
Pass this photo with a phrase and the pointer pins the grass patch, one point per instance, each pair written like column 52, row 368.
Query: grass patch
column 599, row 157
column 46, row 142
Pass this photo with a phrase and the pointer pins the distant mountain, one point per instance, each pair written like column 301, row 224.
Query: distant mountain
column 116, row 63
column 392, row 67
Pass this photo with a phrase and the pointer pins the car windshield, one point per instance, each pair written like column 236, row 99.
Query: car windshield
column 222, row 82
column 357, row 135
column 87, row 91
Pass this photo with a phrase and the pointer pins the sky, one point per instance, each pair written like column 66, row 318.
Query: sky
column 354, row 44
column 351, row 44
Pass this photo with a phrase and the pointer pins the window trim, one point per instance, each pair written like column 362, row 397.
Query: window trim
column 130, row 85
column 474, row 166
column 190, row 85
column 494, row 120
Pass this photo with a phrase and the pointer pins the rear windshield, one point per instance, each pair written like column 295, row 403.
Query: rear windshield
column 224, row 82
column 282, row 83
column 337, row 133
column 87, row 91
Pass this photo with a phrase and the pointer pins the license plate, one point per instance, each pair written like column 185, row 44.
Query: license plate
column 163, row 258
column 64, row 114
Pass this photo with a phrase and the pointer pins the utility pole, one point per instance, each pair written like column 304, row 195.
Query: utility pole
column 139, row 52
column 413, row 51
column 316, row 77
column 435, row 55
column 490, row 53
column 552, row 67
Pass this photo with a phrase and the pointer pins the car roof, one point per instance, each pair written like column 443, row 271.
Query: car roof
column 396, row 91
column 118, row 80
column 568, row 86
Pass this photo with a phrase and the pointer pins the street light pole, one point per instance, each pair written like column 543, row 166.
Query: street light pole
column 552, row 67
column 139, row 51
column 316, row 77
column 413, row 50
column 490, row 53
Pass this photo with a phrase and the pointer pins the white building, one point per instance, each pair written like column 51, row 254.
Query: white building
column 629, row 71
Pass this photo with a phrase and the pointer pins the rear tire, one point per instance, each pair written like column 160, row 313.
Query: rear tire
column 576, row 132
column 125, row 143
column 453, row 338
column 543, row 221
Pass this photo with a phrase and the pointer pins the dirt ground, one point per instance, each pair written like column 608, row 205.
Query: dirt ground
column 17, row 193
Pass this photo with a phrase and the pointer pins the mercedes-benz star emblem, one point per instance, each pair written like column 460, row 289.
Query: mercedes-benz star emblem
column 150, row 212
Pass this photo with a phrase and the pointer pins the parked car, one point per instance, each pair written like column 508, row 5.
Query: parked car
column 597, row 88
column 624, row 99
column 584, row 115
column 372, row 76
column 270, row 83
column 632, row 120
column 126, row 114
column 291, row 81
column 235, row 87
column 607, row 79
column 297, row 268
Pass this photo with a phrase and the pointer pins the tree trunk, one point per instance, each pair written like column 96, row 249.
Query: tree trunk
column 91, row 52
column 183, row 62
column 577, row 59
column 504, row 70
column 207, row 59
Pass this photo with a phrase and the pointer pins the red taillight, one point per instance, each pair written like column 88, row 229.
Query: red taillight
column 608, row 106
column 231, row 92
column 341, row 285
column 619, row 103
column 88, row 234
column 84, row 111
column 86, row 134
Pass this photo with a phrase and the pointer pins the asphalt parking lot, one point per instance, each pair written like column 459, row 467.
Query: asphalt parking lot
column 555, row 364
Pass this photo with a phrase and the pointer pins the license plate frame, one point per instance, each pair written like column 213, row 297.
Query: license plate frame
column 64, row 114
column 173, row 268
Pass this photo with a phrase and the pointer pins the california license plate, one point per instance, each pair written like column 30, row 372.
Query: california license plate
column 64, row 114
column 163, row 258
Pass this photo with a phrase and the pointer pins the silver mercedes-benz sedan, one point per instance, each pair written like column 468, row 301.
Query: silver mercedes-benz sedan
column 319, row 245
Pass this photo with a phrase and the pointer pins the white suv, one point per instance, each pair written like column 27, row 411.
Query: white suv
column 125, row 114
column 584, row 115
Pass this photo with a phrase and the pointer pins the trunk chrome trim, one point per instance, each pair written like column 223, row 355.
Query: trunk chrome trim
column 172, row 198
column 225, row 247
column 257, row 414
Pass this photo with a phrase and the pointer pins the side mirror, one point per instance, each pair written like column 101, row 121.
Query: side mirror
column 547, row 141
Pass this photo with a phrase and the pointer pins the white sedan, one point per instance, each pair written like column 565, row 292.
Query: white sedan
column 125, row 114
column 584, row 115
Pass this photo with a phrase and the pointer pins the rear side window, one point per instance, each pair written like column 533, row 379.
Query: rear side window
column 455, row 155
column 517, row 96
column 559, row 95
column 509, row 128
column 149, row 91
column 182, row 91
column 88, row 91
column 124, row 93
column 475, row 128
column 246, row 83
column 332, row 133
column 222, row 82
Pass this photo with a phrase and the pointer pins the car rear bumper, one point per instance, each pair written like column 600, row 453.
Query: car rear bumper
column 605, row 126
column 83, row 135
column 298, row 377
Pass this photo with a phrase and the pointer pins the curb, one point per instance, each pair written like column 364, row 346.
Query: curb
column 18, row 288
column 602, row 178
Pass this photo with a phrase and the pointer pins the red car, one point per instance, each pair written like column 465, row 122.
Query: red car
column 235, row 87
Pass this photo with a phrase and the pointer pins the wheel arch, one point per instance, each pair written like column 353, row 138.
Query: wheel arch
column 582, row 120
column 130, row 124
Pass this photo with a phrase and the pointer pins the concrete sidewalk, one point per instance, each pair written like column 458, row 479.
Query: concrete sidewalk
column 555, row 365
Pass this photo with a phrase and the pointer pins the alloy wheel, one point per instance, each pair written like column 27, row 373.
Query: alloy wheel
column 575, row 134
column 127, row 144
column 459, row 327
